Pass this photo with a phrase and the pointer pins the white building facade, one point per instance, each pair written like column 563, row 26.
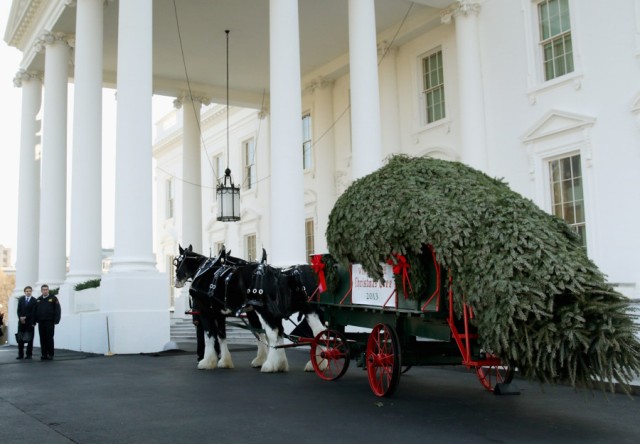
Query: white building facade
column 543, row 93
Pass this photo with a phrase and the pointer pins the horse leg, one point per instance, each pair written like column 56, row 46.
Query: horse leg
column 225, row 356
column 276, row 358
column 254, row 322
column 316, row 327
column 263, row 349
column 210, row 359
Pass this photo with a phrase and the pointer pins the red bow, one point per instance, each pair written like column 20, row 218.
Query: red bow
column 401, row 266
column 318, row 267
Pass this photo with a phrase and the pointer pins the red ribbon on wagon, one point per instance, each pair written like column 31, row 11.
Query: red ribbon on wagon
column 401, row 266
column 318, row 267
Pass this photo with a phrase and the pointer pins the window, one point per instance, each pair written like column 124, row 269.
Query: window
column 218, row 169
column 308, row 235
column 250, row 246
column 306, row 142
column 249, row 153
column 433, row 87
column 567, row 197
column 170, row 193
column 555, row 38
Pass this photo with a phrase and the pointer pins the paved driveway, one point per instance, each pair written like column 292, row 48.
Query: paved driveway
column 80, row 398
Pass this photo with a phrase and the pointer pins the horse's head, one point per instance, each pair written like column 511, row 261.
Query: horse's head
column 187, row 264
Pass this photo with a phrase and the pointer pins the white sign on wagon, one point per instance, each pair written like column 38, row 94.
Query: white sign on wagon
column 368, row 291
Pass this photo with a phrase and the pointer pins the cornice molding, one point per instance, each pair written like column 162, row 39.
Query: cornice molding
column 21, row 18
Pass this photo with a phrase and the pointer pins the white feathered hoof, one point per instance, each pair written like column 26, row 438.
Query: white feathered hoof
column 276, row 362
column 261, row 356
column 208, row 364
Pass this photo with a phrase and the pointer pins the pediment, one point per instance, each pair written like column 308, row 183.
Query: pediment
column 557, row 122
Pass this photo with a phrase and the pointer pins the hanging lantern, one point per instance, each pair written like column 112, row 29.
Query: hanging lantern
column 227, row 194
column 228, row 199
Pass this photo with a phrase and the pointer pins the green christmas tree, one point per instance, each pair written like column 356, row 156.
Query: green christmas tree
column 540, row 303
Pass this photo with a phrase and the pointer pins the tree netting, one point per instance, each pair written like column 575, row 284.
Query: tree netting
column 540, row 303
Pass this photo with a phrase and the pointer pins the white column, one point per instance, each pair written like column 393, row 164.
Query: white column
column 323, row 137
column 366, row 141
column 133, row 242
column 191, row 186
column 85, row 257
column 134, row 295
column 52, row 265
column 473, row 150
column 287, row 245
column 389, row 107
column 191, row 175
column 28, row 190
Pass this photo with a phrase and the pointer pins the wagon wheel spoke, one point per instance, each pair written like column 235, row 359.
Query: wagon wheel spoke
column 383, row 360
column 491, row 375
column 330, row 355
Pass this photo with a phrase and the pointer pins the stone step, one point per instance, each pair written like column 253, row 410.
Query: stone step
column 183, row 331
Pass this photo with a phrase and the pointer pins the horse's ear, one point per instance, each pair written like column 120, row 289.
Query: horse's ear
column 190, row 247
column 264, row 256
column 180, row 249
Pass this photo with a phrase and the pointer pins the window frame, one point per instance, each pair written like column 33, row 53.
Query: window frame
column 249, row 170
column 307, row 142
column 170, row 197
column 248, row 240
column 423, row 94
column 550, row 186
column 309, row 238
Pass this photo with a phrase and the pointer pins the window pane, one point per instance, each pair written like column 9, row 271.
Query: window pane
column 567, row 192
column 433, row 75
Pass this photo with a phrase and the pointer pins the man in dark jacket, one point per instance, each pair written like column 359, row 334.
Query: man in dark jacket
column 48, row 316
column 26, row 321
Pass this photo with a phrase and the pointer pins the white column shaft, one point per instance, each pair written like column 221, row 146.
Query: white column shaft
column 472, row 130
column 86, row 185
column 53, row 196
column 323, row 137
column 287, row 181
column 366, row 143
column 133, row 213
column 389, row 107
column 28, row 186
column 191, row 176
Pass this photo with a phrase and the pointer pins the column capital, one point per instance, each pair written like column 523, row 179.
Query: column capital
column 385, row 47
column 317, row 83
column 462, row 7
column 24, row 76
column 49, row 38
column 179, row 101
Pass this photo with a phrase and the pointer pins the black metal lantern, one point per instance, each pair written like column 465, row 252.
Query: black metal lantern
column 227, row 194
column 228, row 198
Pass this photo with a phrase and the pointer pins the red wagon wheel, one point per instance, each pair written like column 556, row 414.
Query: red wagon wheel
column 330, row 355
column 383, row 360
column 490, row 375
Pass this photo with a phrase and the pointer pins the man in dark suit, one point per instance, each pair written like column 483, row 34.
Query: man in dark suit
column 27, row 321
column 47, row 316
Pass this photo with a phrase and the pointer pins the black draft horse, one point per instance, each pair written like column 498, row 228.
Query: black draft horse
column 189, row 266
column 225, row 285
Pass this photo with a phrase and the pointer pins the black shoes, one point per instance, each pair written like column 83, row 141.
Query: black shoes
column 19, row 357
column 28, row 357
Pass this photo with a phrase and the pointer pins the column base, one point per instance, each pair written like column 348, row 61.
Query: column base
column 135, row 307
